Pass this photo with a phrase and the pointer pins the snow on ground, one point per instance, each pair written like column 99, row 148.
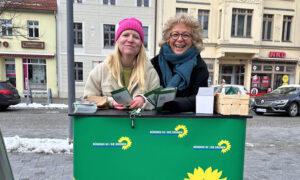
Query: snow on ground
column 37, row 145
column 39, row 106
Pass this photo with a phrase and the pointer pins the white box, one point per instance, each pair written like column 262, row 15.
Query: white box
column 205, row 100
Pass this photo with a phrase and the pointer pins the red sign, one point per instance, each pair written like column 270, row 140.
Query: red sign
column 4, row 43
column 273, row 54
column 255, row 81
column 265, row 81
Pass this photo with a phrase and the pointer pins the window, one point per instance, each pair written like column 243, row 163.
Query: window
column 241, row 22
column 33, row 29
column 203, row 20
column 220, row 23
column 78, row 71
column 6, row 27
column 267, row 27
column 111, row 2
column 109, row 35
column 35, row 76
column 141, row 3
column 145, row 29
column 181, row 10
column 78, row 33
column 286, row 28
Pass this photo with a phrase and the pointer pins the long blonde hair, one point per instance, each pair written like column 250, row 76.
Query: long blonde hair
column 138, row 71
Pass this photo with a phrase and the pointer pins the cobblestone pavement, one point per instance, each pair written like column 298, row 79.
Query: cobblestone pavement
column 33, row 166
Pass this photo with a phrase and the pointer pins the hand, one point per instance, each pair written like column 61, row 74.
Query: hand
column 137, row 102
column 118, row 106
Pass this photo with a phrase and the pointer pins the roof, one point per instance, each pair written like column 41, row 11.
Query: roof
column 48, row 5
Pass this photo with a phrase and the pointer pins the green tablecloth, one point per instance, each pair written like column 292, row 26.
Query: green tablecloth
column 159, row 147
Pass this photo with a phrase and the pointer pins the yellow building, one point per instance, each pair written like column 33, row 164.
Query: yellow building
column 28, row 46
column 248, row 42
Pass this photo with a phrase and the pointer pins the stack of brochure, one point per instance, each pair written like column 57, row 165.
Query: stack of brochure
column 159, row 96
column 84, row 107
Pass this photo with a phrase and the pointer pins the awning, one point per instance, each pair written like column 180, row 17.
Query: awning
column 28, row 54
column 277, row 59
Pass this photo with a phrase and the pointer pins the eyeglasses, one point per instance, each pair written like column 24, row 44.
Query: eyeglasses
column 185, row 36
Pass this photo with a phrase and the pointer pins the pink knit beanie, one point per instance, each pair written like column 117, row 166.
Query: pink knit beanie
column 130, row 23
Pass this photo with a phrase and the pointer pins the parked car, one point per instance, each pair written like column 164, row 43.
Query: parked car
column 283, row 99
column 239, row 88
column 8, row 95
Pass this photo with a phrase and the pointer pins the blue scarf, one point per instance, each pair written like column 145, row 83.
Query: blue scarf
column 183, row 66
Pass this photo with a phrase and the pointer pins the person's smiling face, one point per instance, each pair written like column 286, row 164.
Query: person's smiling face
column 129, row 43
column 180, row 38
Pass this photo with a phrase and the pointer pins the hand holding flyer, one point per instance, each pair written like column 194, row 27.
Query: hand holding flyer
column 159, row 96
column 121, row 95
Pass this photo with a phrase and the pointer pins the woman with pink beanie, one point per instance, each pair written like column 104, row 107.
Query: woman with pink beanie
column 127, row 66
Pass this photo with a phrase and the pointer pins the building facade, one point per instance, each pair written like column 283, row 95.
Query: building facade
column 28, row 45
column 248, row 42
column 95, row 25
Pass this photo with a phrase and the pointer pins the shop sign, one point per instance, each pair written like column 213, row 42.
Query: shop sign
column 4, row 43
column 285, row 78
column 265, row 81
column 273, row 54
column 255, row 81
column 254, row 68
column 254, row 91
column 33, row 44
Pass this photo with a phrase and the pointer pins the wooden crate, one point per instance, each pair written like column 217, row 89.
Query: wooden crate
column 236, row 104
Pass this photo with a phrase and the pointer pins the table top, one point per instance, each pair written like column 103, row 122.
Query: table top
column 155, row 114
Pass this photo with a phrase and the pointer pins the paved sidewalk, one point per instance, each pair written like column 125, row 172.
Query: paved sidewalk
column 33, row 166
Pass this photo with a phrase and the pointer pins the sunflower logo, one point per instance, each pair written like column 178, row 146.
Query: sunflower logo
column 183, row 128
column 208, row 174
column 128, row 142
column 228, row 146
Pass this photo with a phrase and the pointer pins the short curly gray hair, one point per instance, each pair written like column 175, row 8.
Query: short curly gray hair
column 189, row 21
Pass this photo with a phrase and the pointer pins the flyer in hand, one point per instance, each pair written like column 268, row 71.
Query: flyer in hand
column 121, row 95
column 159, row 96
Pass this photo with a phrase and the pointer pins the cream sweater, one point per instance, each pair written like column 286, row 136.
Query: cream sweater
column 100, row 82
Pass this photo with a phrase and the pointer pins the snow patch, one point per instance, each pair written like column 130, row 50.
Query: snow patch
column 37, row 145
column 39, row 106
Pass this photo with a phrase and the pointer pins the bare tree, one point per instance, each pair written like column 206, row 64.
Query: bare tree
column 8, row 14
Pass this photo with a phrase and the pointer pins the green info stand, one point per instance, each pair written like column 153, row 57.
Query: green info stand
column 160, row 146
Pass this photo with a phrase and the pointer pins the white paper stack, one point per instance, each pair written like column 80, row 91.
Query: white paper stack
column 86, row 108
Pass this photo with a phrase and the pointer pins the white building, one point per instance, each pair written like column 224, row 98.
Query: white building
column 95, row 24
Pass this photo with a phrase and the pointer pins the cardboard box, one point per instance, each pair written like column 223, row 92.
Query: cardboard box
column 205, row 100
column 236, row 104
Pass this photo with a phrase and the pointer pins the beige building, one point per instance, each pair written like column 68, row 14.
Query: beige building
column 249, row 42
column 28, row 46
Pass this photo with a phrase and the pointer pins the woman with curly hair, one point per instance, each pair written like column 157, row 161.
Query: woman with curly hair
column 179, row 63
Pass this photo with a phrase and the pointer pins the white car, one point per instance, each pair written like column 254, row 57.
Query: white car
column 239, row 88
